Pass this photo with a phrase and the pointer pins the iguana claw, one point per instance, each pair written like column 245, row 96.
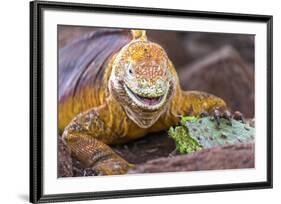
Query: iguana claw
column 238, row 116
column 218, row 114
column 112, row 168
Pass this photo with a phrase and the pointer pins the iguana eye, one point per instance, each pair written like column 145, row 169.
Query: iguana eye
column 129, row 69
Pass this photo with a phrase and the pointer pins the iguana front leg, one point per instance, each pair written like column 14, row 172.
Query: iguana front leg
column 201, row 103
column 196, row 102
column 86, row 136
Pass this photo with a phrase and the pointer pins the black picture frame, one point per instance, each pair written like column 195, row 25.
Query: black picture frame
column 36, row 101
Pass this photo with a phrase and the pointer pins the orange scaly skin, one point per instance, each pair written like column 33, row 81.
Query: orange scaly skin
column 139, row 93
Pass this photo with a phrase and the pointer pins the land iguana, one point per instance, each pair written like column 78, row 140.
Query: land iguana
column 116, row 86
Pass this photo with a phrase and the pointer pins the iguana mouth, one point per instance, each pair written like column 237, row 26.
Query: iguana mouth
column 149, row 100
column 145, row 101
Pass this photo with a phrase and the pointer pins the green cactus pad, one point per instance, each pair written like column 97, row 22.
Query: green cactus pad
column 196, row 133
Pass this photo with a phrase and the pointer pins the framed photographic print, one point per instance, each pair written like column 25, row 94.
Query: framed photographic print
column 130, row 101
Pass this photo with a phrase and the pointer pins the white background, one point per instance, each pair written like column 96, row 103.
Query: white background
column 14, row 101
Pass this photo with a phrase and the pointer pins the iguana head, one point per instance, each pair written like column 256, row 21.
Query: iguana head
column 141, row 80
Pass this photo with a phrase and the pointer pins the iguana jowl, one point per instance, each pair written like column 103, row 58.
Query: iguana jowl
column 116, row 86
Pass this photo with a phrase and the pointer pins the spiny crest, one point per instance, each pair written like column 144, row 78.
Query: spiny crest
column 139, row 35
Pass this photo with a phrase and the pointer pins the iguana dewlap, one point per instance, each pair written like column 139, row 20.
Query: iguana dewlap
column 116, row 86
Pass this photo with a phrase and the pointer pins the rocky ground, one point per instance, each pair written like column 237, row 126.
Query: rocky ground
column 156, row 153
